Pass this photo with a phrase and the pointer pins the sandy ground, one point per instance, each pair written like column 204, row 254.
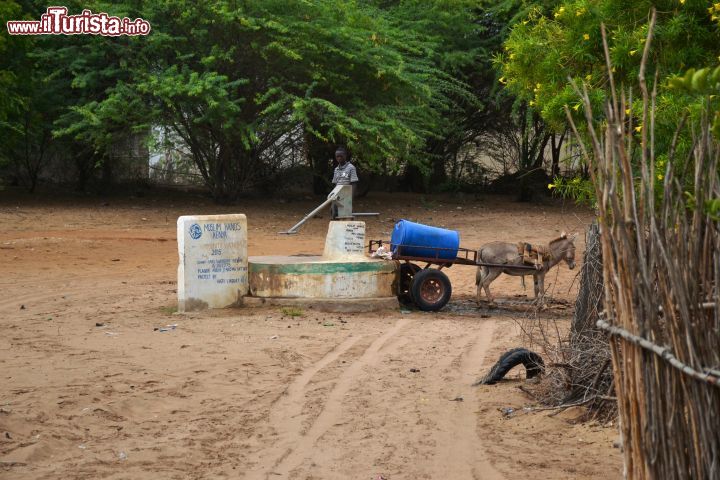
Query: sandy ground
column 91, row 390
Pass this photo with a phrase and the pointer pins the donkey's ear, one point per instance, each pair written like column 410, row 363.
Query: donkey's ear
column 563, row 235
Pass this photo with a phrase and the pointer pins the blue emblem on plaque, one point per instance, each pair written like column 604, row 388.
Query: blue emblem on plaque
column 195, row 231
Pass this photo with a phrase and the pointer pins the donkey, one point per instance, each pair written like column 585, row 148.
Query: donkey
column 562, row 248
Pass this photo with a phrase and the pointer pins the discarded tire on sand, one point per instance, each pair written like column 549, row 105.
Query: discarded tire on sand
column 532, row 362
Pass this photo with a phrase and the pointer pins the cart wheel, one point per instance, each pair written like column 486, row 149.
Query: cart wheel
column 430, row 289
column 406, row 274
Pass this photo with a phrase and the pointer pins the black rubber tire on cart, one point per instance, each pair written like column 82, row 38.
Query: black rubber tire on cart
column 430, row 289
column 405, row 277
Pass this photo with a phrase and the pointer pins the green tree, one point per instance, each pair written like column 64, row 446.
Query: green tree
column 52, row 88
column 28, row 104
column 233, row 79
column 238, row 81
column 544, row 53
column 455, row 34
column 521, row 122
column 8, row 102
column 101, row 108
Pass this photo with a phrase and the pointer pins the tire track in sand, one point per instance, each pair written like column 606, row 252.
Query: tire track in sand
column 460, row 453
column 12, row 302
column 47, row 291
column 305, row 444
column 286, row 414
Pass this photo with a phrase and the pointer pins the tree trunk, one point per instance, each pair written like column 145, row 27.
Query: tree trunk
column 533, row 140
column 539, row 151
column 523, row 162
column 222, row 194
column 84, row 165
column 319, row 156
column 413, row 179
column 438, row 173
column 555, row 147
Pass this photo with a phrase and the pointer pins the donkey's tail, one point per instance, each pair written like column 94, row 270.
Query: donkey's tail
column 481, row 270
column 479, row 273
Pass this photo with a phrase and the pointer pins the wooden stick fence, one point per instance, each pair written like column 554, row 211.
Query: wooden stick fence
column 661, row 270
column 665, row 353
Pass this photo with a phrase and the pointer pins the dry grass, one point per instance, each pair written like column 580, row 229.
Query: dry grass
column 579, row 370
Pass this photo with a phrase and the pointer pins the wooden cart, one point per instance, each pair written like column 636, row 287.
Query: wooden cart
column 426, row 287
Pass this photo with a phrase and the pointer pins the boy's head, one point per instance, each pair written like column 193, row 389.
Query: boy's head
column 341, row 155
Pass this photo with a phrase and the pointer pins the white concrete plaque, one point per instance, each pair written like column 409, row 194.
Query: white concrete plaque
column 345, row 240
column 213, row 268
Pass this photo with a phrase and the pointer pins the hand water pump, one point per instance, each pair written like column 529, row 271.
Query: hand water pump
column 341, row 197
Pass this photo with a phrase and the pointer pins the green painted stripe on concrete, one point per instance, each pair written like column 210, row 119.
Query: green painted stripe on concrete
column 321, row 268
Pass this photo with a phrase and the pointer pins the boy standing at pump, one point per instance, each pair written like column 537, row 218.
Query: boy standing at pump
column 344, row 174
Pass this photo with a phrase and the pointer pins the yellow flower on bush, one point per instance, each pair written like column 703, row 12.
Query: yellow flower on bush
column 639, row 128
column 551, row 186
column 586, row 36
column 633, row 52
column 560, row 11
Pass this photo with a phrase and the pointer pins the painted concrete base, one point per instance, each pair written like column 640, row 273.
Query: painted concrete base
column 343, row 279
column 345, row 241
column 336, row 305
column 317, row 277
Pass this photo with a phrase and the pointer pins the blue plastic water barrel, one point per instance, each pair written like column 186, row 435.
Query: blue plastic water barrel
column 409, row 238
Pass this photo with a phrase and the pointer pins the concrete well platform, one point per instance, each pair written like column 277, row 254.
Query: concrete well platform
column 354, row 284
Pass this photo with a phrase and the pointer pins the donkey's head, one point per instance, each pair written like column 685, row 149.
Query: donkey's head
column 563, row 248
